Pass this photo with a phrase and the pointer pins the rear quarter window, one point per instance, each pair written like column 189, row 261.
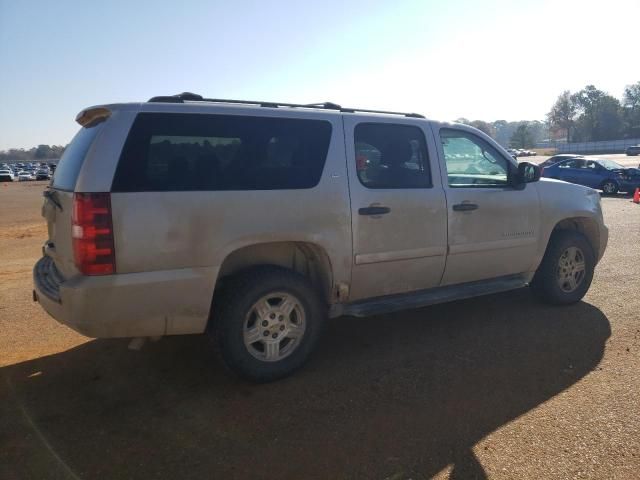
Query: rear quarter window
column 68, row 169
column 195, row 152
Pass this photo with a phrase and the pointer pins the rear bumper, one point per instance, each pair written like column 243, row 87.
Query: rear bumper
column 166, row 302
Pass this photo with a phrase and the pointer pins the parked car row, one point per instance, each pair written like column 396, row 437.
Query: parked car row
column 22, row 172
column 519, row 152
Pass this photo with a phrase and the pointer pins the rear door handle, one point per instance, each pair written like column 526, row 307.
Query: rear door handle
column 373, row 210
column 465, row 207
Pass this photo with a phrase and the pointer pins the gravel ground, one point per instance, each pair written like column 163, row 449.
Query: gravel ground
column 497, row 387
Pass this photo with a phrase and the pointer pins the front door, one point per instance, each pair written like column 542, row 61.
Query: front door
column 591, row 174
column 493, row 226
column 398, row 208
column 569, row 171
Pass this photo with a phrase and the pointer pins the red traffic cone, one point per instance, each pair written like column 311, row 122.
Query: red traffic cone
column 636, row 196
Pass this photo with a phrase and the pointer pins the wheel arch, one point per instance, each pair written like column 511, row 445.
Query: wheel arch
column 586, row 226
column 306, row 258
column 612, row 180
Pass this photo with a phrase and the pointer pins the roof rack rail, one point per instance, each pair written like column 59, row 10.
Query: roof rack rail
column 192, row 97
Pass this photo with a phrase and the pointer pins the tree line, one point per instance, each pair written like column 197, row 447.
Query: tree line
column 520, row 134
column 41, row 152
column 591, row 115
column 588, row 115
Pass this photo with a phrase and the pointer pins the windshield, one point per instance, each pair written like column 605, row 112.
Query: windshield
column 610, row 165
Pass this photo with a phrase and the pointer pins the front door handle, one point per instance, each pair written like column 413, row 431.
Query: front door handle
column 373, row 210
column 465, row 207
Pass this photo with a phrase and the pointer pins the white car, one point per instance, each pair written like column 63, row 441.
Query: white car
column 25, row 176
column 6, row 176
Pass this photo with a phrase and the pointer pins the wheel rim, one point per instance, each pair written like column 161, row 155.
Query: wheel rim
column 609, row 187
column 571, row 269
column 274, row 327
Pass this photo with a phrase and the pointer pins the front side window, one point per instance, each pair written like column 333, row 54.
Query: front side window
column 197, row 152
column 575, row 163
column 391, row 156
column 471, row 161
column 591, row 165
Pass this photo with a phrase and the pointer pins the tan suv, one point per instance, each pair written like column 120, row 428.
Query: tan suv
column 256, row 221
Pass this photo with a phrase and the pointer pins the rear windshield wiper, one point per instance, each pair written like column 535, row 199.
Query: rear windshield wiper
column 51, row 196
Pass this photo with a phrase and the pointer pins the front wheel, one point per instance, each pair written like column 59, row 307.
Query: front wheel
column 566, row 270
column 610, row 187
column 267, row 322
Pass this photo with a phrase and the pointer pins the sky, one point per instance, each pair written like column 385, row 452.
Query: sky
column 488, row 60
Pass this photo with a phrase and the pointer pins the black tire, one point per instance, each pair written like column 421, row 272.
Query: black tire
column 613, row 190
column 545, row 283
column 235, row 302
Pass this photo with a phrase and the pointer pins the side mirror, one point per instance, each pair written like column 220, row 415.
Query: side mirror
column 528, row 172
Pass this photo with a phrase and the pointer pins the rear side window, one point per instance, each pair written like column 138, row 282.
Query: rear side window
column 391, row 156
column 182, row 152
column 70, row 163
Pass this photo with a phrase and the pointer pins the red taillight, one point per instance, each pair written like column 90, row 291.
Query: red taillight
column 92, row 233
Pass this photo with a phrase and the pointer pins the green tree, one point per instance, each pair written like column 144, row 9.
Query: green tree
column 600, row 115
column 609, row 124
column 42, row 152
column 562, row 114
column 521, row 138
column 483, row 126
column 503, row 131
column 631, row 110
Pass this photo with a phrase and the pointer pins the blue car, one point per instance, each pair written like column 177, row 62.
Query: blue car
column 605, row 175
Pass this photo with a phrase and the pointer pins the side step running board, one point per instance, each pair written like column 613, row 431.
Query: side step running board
column 423, row 298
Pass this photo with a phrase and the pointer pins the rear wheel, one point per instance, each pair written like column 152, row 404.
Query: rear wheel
column 610, row 187
column 267, row 322
column 566, row 271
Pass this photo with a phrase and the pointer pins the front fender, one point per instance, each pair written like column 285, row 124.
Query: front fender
column 562, row 202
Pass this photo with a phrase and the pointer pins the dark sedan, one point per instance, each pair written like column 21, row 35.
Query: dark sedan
column 43, row 175
column 633, row 151
column 605, row 175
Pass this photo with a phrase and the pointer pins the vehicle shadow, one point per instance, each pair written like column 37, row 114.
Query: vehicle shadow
column 401, row 395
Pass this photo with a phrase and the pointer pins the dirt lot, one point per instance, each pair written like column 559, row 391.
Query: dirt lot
column 498, row 387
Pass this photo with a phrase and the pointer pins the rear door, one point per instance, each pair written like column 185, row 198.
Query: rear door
column 398, row 207
column 492, row 226
column 570, row 170
column 592, row 174
column 196, row 183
